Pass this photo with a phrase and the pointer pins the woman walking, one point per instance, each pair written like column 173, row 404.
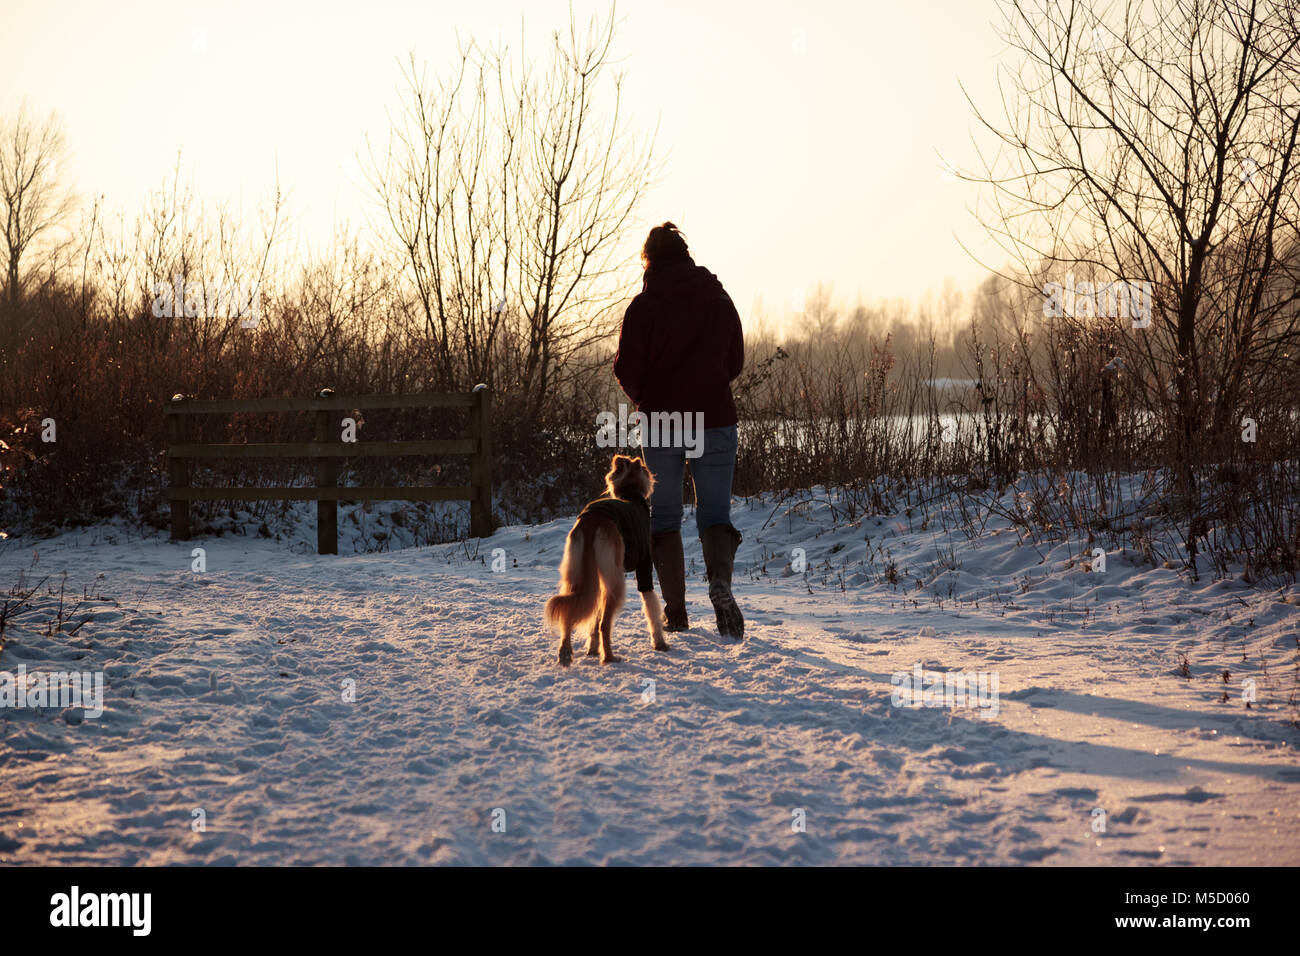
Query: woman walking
column 680, row 348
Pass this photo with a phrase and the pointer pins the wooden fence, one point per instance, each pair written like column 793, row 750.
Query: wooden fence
column 327, row 449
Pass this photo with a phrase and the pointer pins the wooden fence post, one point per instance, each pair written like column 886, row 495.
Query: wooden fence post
column 327, row 512
column 480, row 463
column 178, row 472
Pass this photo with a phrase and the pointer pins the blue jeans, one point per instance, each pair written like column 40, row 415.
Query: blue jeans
column 710, row 474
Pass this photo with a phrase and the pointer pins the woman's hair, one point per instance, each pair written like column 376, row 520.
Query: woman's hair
column 665, row 244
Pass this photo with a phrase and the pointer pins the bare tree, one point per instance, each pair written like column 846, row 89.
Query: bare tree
column 34, row 200
column 509, row 188
column 1155, row 143
column 817, row 319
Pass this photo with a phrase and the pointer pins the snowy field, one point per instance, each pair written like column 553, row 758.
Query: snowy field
column 228, row 691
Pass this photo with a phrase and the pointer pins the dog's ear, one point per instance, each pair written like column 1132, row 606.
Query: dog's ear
column 616, row 474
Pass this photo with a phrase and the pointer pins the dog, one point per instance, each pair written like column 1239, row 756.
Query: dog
column 610, row 538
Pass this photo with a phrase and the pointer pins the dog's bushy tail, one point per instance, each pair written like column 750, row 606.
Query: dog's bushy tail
column 579, row 581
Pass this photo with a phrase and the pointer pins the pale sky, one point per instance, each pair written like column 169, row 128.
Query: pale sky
column 801, row 139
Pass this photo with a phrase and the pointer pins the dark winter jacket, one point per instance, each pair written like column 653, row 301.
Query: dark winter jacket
column 681, row 345
column 632, row 516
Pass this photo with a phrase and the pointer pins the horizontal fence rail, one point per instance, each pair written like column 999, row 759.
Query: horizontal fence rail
column 370, row 449
column 327, row 403
column 449, row 493
column 326, row 493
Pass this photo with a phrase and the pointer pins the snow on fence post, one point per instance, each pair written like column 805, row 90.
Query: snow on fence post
column 327, row 476
column 480, row 463
column 178, row 470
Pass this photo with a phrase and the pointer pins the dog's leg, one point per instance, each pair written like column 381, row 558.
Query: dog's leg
column 607, row 655
column 654, row 616
column 566, row 649
column 593, row 642
column 609, row 562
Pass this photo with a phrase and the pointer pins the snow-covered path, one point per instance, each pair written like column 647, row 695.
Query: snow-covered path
column 226, row 694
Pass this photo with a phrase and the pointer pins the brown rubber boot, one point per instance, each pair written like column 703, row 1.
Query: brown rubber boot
column 670, row 566
column 720, row 542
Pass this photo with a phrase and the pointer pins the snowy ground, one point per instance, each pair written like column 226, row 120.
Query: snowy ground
column 226, row 693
